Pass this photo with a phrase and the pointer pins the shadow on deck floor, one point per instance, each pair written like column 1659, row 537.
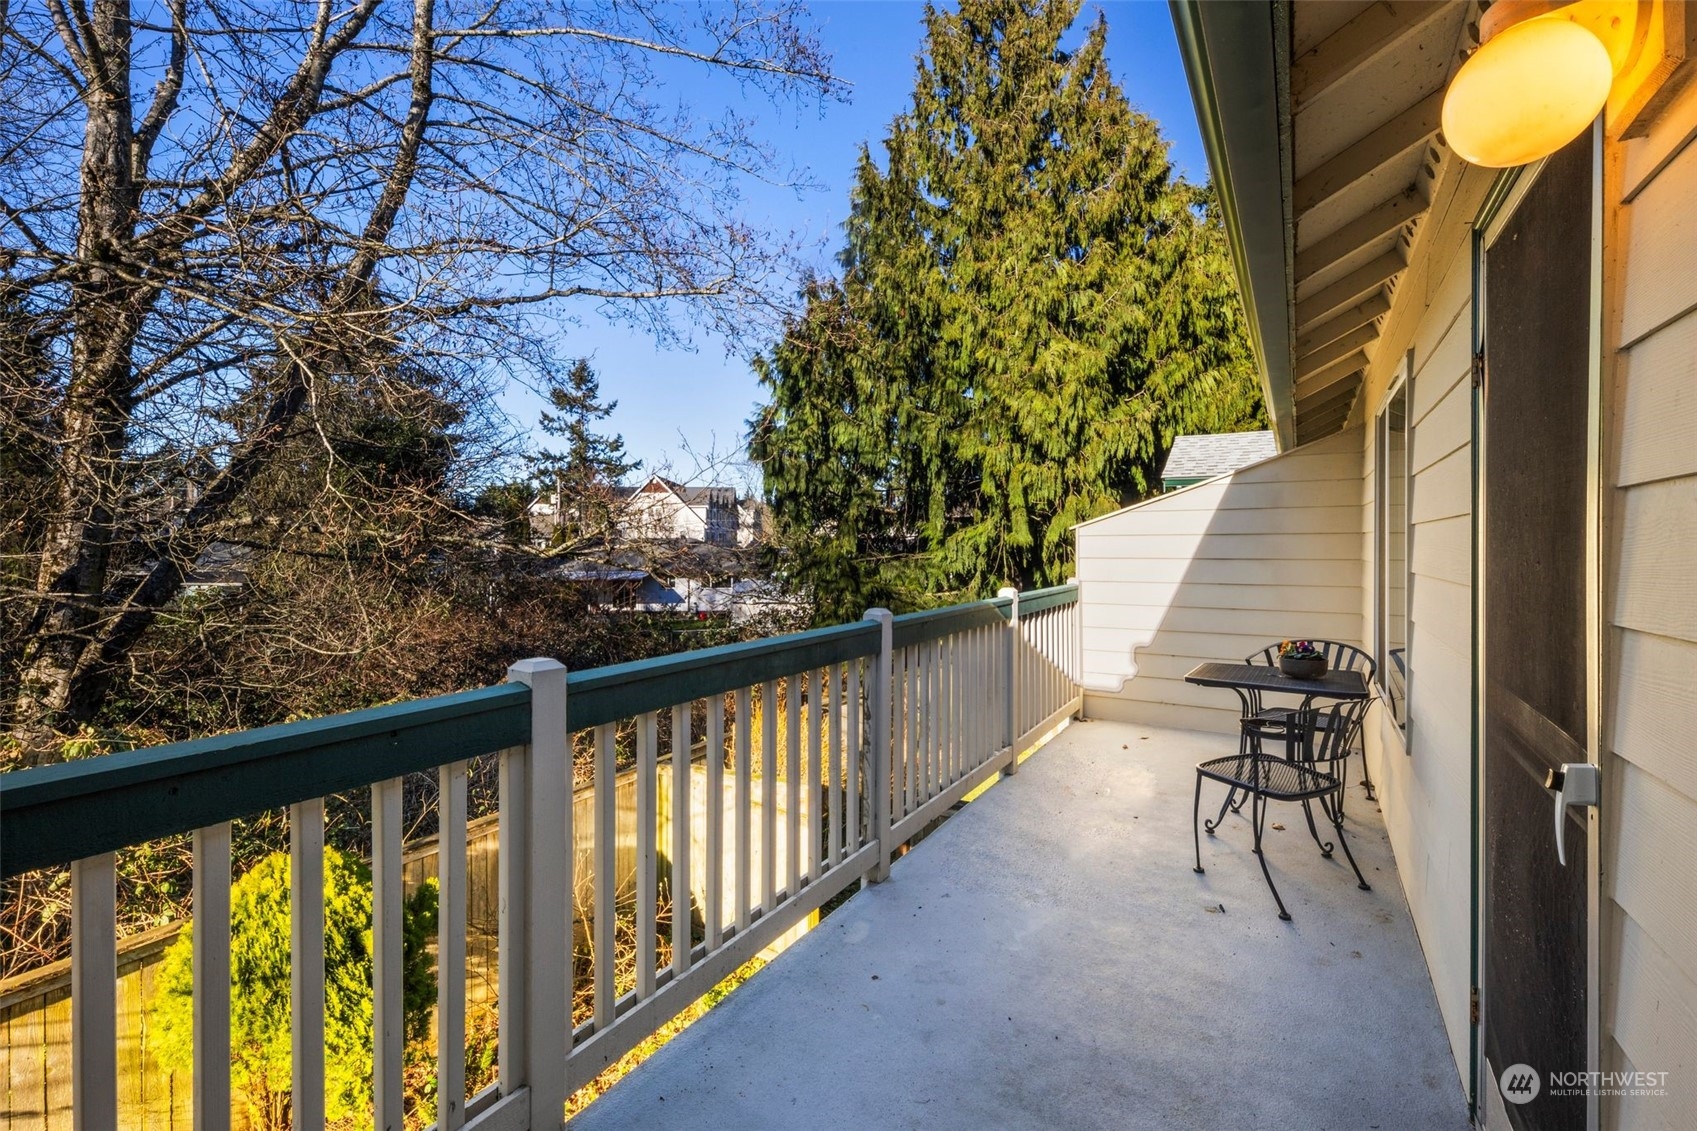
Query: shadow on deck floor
column 1047, row 959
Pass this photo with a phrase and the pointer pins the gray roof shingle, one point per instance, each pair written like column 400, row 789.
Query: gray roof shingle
column 1203, row 457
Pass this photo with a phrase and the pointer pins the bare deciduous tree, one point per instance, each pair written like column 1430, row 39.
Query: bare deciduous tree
column 223, row 222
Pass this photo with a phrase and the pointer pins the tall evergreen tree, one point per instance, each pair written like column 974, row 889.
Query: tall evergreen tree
column 585, row 473
column 1032, row 306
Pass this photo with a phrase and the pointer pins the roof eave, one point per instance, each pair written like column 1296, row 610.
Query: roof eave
column 1235, row 56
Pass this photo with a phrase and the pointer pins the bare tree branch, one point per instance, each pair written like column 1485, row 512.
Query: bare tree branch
column 266, row 261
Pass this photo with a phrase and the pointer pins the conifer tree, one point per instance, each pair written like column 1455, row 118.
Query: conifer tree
column 584, row 474
column 1032, row 306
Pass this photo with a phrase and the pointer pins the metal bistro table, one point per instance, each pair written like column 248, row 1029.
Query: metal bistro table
column 1251, row 681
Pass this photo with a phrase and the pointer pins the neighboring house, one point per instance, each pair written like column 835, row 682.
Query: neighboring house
column 632, row 590
column 544, row 516
column 657, row 510
column 613, row 589
column 753, row 521
column 1195, row 458
column 1483, row 385
column 221, row 569
column 741, row 600
column 664, row 510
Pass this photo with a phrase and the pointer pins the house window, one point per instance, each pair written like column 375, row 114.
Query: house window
column 1391, row 637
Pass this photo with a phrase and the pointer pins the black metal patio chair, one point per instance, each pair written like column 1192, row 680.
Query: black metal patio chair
column 1318, row 741
column 1270, row 722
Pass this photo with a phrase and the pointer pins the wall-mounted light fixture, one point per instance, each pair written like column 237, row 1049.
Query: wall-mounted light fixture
column 1542, row 73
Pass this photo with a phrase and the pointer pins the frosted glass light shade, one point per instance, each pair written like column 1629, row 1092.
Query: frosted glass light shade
column 1531, row 89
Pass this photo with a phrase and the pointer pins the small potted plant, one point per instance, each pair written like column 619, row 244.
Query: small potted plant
column 1300, row 659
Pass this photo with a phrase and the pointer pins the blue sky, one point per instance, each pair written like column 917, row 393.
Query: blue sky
column 670, row 398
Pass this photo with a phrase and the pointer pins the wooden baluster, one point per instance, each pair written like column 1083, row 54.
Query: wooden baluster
column 905, row 748
column 388, row 961
column 451, row 947
column 768, row 797
column 934, row 720
column 714, row 865
column 744, row 805
column 306, row 967
column 647, row 859
column 814, row 763
column 879, row 789
column 606, row 878
column 794, row 801
column 853, row 754
column 211, row 1075
column 682, row 778
column 831, row 703
column 94, row 993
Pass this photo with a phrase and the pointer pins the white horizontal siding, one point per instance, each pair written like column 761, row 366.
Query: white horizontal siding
column 1649, row 818
column 1653, row 1025
column 1658, row 284
column 1443, row 611
column 1223, row 521
column 1198, row 646
column 1656, row 826
column 1249, row 571
column 1444, row 549
column 1445, row 489
column 1655, row 708
column 1657, row 383
column 1115, row 625
column 1225, row 495
column 1247, row 547
column 1443, row 345
column 1447, row 429
column 1217, row 572
column 1319, row 598
column 1656, row 567
column 1424, row 773
column 1125, row 709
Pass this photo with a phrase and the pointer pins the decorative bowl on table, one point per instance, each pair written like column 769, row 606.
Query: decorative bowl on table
column 1299, row 659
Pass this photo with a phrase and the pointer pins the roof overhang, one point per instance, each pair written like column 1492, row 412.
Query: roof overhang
column 1320, row 121
column 1232, row 57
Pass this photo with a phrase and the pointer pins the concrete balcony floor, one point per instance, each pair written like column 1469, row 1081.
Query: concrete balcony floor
column 1047, row 959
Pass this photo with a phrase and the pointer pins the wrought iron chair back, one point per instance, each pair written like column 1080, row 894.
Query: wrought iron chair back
column 1332, row 730
column 1339, row 657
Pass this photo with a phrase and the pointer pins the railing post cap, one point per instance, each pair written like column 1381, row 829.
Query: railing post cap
column 1008, row 591
column 880, row 615
column 525, row 670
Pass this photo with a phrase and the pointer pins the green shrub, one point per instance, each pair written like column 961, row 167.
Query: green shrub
column 259, row 985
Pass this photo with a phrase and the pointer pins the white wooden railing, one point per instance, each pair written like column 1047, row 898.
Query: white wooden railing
column 823, row 753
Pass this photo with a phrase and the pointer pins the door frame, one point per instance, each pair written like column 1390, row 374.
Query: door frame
column 1505, row 195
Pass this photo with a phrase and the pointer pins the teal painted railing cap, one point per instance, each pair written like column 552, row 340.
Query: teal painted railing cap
column 1054, row 597
column 621, row 691
column 55, row 814
column 934, row 624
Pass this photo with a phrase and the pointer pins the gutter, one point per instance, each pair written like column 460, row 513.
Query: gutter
column 1237, row 59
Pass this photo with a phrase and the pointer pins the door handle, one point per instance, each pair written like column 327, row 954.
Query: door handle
column 1576, row 783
